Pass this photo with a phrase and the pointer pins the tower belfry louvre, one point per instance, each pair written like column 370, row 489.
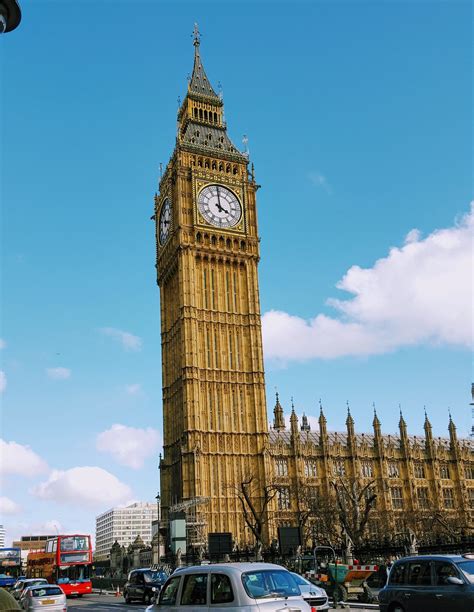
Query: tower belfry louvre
column 214, row 407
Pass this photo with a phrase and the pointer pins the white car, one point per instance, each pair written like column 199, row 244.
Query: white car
column 226, row 587
column 44, row 596
column 20, row 585
column 312, row 594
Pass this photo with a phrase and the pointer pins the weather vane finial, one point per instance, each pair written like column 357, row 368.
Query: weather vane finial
column 196, row 35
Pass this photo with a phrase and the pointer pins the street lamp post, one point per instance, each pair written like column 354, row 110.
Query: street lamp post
column 158, row 521
column 10, row 15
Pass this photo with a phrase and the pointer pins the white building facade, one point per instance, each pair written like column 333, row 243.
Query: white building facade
column 2, row 536
column 124, row 524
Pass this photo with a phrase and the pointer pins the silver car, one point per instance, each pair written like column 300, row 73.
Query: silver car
column 44, row 596
column 244, row 587
column 22, row 584
column 312, row 594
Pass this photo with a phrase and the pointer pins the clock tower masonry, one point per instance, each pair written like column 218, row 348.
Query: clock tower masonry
column 207, row 253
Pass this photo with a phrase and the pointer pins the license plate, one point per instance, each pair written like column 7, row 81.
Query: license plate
column 47, row 602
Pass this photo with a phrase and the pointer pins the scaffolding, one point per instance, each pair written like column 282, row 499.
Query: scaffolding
column 195, row 521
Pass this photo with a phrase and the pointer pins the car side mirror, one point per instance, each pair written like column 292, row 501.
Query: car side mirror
column 454, row 580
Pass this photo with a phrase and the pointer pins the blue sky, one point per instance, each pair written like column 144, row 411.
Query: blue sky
column 358, row 116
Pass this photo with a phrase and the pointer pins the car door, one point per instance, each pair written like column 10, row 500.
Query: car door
column 194, row 594
column 452, row 597
column 169, row 594
column 131, row 585
column 223, row 598
column 139, row 585
column 420, row 591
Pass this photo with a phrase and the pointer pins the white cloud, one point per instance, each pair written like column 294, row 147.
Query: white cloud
column 134, row 389
column 3, row 344
column 413, row 236
column 126, row 339
column 129, row 446
column 19, row 459
column 8, row 506
column 420, row 293
column 320, row 180
column 90, row 486
column 58, row 373
column 16, row 529
column 3, row 381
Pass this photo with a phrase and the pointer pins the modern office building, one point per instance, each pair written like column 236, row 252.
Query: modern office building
column 123, row 524
column 2, row 536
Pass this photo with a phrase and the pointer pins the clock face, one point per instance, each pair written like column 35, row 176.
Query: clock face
column 219, row 206
column 165, row 221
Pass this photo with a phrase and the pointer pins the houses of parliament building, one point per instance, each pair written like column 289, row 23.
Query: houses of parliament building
column 215, row 423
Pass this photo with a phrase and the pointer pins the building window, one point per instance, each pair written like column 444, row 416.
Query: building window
column 208, row 348
column 419, row 470
column 227, row 290
column 281, row 467
column 470, row 494
column 213, row 290
column 310, row 469
column 469, row 472
column 367, row 469
column 397, row 498
column 231, row 352
column 423, row 497
column 216, row 351
column 339, row 468
column 204, row 285
column 444, row 471
column 283, row 499
column 370, row 492
column 393, row 470
column 448, row 498
column 235, row 291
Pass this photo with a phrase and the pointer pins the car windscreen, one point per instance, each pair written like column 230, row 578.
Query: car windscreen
column 151, row 576
column 46, row 591
column 467, row 568
column 270, row 583
column 299, row 580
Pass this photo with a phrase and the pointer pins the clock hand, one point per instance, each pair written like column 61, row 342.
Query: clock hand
column 219, row 207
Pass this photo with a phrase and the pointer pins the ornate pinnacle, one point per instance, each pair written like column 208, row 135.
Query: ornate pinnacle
column 196, row 35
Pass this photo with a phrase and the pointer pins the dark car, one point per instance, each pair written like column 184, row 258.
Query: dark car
column 431, row 583
column 143, row 585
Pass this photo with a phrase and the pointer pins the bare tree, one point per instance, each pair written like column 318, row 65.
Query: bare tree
column 315, row 517
column 432, row 523
column 254, row 500
column 354, row 506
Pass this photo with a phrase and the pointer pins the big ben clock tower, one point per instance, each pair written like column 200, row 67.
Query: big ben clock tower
column 214, row 408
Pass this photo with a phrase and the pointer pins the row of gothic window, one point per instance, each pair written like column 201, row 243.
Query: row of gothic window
column 367, row 470
column 213, row 240
column 396, row 493
column 205, row 162
column 210, row 116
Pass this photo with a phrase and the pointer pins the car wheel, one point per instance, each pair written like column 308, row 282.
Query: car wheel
column 397, row 608
column 127, row 598
column 147, row 599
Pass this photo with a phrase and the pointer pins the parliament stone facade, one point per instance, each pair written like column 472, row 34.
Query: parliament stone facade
column 216, row 430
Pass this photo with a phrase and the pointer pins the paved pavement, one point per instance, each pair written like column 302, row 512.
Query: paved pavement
column 89, row 603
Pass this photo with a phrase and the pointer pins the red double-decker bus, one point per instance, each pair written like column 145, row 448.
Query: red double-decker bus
column 66, row 560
